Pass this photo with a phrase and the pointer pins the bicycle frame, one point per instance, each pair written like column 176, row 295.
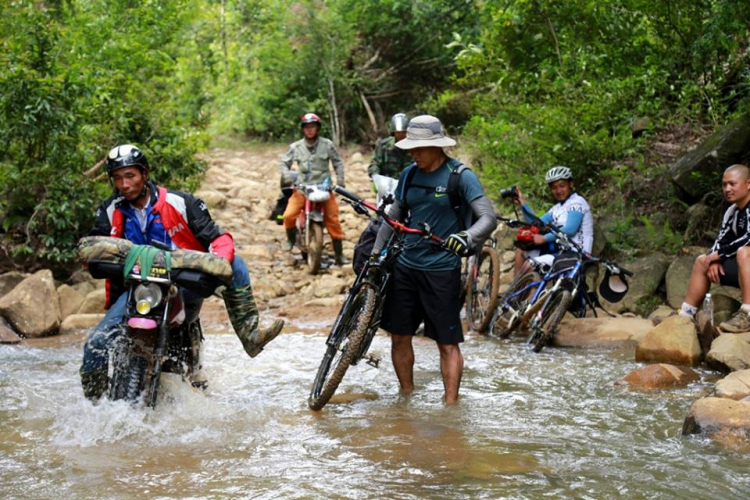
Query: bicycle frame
column 376, row 274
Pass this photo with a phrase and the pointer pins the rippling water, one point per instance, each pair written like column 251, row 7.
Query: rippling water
column 528, row 426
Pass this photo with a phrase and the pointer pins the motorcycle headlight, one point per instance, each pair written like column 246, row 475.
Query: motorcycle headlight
column 147, row 296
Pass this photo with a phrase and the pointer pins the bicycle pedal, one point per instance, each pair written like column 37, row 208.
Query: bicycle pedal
column 372, row 361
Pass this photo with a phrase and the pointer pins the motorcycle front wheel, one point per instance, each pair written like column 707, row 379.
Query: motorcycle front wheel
column 314, row 247
column 129, row 372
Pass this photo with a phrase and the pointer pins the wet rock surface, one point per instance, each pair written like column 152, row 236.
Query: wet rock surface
column 673, row 341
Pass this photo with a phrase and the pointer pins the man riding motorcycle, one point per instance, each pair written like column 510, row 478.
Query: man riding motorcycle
column 144, row 213
column 313, row 155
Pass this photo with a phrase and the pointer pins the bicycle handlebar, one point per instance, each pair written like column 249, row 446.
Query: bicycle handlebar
column 397, row 226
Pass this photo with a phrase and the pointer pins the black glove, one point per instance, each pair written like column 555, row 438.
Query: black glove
column 458, row 243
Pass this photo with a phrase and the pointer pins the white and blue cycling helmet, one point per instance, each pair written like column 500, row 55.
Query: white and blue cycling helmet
column 558, row 173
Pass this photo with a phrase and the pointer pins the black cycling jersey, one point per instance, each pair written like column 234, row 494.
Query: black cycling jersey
column 734, row 233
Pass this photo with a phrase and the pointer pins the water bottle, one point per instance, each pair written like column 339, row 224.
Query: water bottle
column 708, row 308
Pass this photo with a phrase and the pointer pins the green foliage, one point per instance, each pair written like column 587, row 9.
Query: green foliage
column 561, row 82
column 80, row 77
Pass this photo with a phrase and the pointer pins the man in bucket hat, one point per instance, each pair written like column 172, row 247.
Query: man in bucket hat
column 426, row 280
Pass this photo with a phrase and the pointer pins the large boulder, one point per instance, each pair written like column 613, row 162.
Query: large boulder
column 674, row 341
column 94, row 302
column 724, row 420
column 735, row 386
column 701, row 168
column 32, row 307
column 729, row 353
column 660, row 376
column 8, row 281
column 648, row 273
column 678, row 277
column 70, row 300
column 602, row 331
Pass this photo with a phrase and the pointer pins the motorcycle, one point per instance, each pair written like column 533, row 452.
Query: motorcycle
column 310, row 223
column 161, row 330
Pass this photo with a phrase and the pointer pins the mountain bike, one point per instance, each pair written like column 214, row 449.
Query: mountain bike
column 539, row 297
column 359, row 318
column 481, row 276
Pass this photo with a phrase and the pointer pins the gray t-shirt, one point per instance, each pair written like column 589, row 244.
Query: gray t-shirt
column 428, row 201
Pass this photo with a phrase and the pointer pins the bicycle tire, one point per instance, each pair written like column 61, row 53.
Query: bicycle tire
column 351, row 331
column 552, row 313
column 481, row 291
column 505, row 324
column 315, row 247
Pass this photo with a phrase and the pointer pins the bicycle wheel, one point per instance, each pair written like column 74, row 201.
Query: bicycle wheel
column 348, row 336
column 545, row 329
column 314, row 247
column 481, row 298
column 508, row 319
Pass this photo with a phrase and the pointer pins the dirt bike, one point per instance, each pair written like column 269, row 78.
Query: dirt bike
column 161, row 331
column 310, row 223
column 359, row 318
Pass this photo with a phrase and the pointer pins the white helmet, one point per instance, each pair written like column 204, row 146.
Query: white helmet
column 558, row 173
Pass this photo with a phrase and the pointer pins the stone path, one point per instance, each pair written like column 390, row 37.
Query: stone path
column 240, row 188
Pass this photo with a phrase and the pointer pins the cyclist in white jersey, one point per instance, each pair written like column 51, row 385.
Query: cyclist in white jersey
column 571, row 214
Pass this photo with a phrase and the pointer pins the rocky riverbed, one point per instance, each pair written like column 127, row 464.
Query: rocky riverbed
column 240, row 188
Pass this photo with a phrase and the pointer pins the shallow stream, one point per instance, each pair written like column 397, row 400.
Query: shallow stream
column 551, row 425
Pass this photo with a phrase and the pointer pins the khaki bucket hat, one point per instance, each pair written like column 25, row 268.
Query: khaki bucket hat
column 425, row 131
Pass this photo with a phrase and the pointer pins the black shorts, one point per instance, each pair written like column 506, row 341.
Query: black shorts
column 731, row 273
column 431, row 296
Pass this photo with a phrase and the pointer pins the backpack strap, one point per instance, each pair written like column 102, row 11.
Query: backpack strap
column 410, row 172
column 454, row 196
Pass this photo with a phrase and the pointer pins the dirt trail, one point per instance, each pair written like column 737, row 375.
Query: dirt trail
column 240, row 188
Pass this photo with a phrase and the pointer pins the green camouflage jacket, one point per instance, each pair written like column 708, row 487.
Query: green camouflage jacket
column 388, row 159
column 313, row 161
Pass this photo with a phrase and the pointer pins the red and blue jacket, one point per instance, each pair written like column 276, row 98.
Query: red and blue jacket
column 174, row 218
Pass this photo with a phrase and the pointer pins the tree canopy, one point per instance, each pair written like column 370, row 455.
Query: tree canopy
column 528, row 83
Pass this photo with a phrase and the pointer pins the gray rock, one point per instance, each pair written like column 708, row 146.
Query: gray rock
column 735, row 386
column 7, row 335
column 32, row 307
column 728, row 353
column 77, row 322
column 648, row 273
column 678, row 277
column 660, row 314
column 702, row 167
column 727, row 300
column 94, row 302
column 70, row 300
column 602, row 331
column 8, row 281
column 673, row 341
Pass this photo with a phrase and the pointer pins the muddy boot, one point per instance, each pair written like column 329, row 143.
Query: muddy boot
column 243, row 314
column 95, row 383
column 291, row 239
column 338, row 251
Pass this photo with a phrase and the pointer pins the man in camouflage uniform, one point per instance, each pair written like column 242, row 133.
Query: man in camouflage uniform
column 389, row 160
column 313, row 155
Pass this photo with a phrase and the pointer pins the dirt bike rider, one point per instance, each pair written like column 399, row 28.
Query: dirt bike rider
column 313, row 155
column 387, row 159
column 571, row 212
column 143, row 212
